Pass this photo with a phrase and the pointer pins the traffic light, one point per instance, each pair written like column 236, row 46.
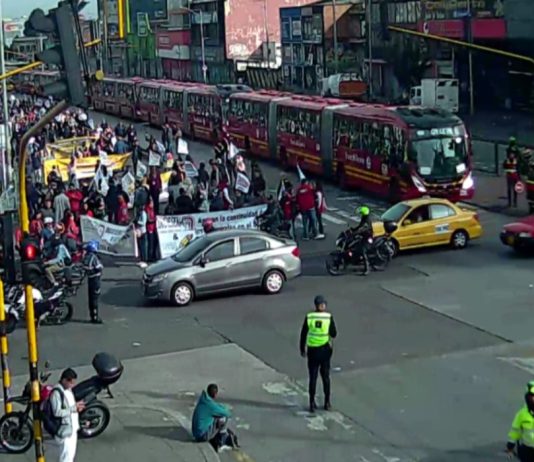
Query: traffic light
column 59, row 25
column 30, row 262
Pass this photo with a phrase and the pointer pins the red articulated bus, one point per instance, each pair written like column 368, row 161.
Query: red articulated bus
column 248, row 121
column 104, row 97
column 148, row 101
column 172, row 107
column 303, row 127
column 126, row 92
column 401, row 152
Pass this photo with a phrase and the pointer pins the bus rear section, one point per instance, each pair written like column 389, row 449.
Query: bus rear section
column 126, row 97
column 402, row 153
column 203, row 113
column 249, row 126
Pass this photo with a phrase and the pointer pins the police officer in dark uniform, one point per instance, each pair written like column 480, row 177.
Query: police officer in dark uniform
column 315, row 339
column 93, row 267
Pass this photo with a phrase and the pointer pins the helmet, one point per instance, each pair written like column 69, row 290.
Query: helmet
column 207, row 224
column 92, row 246
column 48, row 220
column 512, row 140
column 363, row 211
column 530, row 387
column 319, row 300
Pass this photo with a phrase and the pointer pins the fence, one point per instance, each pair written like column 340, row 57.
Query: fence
column 488, row 155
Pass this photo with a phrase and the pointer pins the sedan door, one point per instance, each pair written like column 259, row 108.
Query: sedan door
column 215, row 274
column 413, row 229
column 251, row 261
column 443, row 218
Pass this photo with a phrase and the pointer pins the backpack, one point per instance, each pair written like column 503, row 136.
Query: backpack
column 51, row 423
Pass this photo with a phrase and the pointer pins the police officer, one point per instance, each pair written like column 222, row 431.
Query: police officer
column 317, row 330
column 93, row 267
column 521, row 436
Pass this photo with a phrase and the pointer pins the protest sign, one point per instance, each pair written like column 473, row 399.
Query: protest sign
column 113, row 239
column 85, row 166
column 183, row 148
column 190, row 170
column 128, row 186
column 175, row 230
column 154, row 159
column 142, row 170
column 242, row 183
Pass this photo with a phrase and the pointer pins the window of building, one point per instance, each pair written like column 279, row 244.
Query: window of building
column 286, row 29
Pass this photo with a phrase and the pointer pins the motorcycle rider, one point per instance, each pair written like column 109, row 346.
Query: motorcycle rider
column 93, row 267
column 60, row 257
column 364, row 231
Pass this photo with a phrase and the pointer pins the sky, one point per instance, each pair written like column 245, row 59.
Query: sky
column 18, row 8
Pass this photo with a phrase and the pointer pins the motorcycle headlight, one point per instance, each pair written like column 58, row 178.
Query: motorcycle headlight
column 418, row 184
column 160, row 277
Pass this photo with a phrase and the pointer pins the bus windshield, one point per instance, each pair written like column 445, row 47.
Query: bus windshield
column 442, row 157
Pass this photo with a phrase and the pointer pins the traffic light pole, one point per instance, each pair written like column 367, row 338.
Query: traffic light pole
column 30, row 313
column 6, row 377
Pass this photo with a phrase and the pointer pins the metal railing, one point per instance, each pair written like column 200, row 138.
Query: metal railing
column 488, row 155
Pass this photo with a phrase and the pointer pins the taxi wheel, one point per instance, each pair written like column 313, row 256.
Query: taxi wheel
column 459, row 239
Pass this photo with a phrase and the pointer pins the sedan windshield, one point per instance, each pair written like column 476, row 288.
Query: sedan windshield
column 189, row 252
column 440, row 157
column 395, row 213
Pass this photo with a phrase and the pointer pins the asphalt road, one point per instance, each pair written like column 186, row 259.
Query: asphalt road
column 431, row 359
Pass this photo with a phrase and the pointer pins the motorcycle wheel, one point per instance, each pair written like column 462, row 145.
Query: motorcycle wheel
column 16, row 433
column 11, row 324
column 94, row 419
column 65, row 311
column 334, row 265
column 379, row 261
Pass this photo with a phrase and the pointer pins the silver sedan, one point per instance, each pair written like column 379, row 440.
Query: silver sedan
column 223, row 261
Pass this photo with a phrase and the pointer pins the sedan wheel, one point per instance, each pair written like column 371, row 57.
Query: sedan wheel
column 459, row 240
column 182, row 294
column 273, row 282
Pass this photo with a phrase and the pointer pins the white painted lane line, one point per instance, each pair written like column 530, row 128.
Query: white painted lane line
column 333, row 219
column 349, row 198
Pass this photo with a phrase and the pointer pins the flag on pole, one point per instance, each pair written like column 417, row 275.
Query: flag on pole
column 281, row 189
column 233, row 151
column 302, row 177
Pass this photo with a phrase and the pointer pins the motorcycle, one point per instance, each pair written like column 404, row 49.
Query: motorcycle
column 16, row 428
column 271, row 225
column 50, row 310
column 381, row 251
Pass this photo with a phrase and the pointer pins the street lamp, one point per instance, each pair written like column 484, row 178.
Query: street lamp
column 202, row 47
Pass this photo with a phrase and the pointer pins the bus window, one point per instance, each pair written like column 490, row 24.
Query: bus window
column 172, row 99
column 125, row 91
column 109, row 89
column 297, row 122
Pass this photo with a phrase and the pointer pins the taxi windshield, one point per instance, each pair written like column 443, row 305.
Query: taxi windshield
column 439, row 157
column 395, row 213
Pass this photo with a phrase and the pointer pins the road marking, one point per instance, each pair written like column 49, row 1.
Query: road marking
column 348, row 215
column 333, row 219
column 349, row 198
column 526, row 364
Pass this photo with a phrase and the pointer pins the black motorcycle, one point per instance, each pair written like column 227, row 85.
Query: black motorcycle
column 16, row 428
column 349, row 253
column 274, row 225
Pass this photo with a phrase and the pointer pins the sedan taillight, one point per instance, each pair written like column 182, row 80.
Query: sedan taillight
column 296, row 252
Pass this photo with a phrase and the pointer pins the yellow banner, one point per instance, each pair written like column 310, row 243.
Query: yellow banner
column 85, row 166
column 66, row 148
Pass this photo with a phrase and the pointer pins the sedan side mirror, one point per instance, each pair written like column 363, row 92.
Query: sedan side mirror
column 202, row 261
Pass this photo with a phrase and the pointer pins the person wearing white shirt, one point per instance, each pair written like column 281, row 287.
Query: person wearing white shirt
column 65, row 407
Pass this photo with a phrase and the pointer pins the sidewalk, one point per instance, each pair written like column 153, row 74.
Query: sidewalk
column 490, row 194
column 156, row 396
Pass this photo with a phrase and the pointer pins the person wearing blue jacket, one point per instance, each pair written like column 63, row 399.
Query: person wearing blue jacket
column 210, row 418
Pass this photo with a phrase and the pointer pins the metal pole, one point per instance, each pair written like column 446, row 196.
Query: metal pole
column 470, row 57
column 204, row 67
column 336, row 61
column 30, row 312
column 4, row 350
column 106, row 43
column 6, row 158
column 266, row 25
column 370, row 45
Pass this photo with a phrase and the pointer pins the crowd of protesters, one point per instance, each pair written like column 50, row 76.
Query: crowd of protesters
column 228, row 181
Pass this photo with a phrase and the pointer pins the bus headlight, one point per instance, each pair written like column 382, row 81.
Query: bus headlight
column 418, row 184
column 468, row 182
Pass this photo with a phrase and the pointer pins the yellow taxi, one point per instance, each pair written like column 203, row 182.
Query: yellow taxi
column 428, row 222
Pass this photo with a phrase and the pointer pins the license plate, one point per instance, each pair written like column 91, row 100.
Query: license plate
column 510, row 240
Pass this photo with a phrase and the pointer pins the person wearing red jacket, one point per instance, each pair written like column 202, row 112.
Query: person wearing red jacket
column 122, row 212
column 305, row 198
column 72, row 231
column 75, row 200
column 151, row 229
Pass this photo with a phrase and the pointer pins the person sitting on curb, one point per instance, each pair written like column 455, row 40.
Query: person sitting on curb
column 210, row 420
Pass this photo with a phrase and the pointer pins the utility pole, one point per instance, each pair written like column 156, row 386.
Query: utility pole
column 104, row 10
column 470, row 58
column 266, row 23
column 203, row 48
column 6, row 157
column 336, row 61
column 370, row 52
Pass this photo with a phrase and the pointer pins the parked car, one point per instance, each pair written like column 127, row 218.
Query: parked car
column 430, row 222
column 223, row 261
column 519, row 235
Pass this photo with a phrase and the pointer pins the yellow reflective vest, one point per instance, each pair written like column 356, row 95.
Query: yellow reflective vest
column 318, row 329
column 522, row 431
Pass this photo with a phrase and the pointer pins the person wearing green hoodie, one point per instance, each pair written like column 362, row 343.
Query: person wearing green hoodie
column 210, row 418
